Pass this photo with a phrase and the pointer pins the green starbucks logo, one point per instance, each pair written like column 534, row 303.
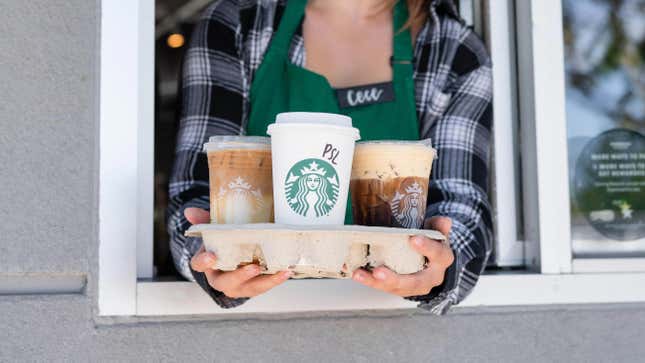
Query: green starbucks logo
column 311, row 187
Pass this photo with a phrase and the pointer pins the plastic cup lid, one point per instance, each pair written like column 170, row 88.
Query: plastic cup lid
column 423, row 142
column 329, row 121
column 319, row 118
column 236, row 142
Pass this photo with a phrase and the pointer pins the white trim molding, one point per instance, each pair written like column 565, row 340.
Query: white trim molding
column 608, row 265
column 298, row 296
column 547, row 226
column 125, row 161
column 499, row 31
column 145, row 136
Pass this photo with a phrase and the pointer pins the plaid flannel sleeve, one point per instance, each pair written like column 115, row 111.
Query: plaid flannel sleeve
column 461, row 132
column 212, row 103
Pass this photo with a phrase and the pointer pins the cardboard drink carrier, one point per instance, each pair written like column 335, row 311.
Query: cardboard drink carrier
column 312, row 156
column 312, row 251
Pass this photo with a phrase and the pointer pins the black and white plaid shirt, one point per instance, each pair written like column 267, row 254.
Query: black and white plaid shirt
column 453, row 86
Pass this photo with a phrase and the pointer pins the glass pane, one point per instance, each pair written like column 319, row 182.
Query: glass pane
column 605, row 89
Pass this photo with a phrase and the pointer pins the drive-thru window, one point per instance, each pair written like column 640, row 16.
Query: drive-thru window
column 567, row 81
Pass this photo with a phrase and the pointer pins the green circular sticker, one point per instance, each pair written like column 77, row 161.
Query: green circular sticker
column 609, row 184
column 311, row 188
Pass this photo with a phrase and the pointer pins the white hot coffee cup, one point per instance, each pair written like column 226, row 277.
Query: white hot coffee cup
column 312, row 157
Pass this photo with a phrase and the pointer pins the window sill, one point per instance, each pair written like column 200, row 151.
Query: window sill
column 298, row 296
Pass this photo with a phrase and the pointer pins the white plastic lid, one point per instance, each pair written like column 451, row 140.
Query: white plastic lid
column 318, row 118
column 237, row 142
column 330, row 122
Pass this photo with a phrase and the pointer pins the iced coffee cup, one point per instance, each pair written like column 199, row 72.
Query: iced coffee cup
column 389, row 182
column 312, row 159
column 239, row 169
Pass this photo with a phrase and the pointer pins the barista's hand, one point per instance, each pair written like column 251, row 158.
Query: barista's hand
column 439, row 255
column 243, row 282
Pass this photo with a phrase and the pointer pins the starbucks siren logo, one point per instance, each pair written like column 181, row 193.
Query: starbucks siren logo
column 241, row 197
column 407, row 206
column 311, row 188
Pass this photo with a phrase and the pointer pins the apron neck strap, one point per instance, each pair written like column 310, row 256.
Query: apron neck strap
column 402, row 43
column 289, row 22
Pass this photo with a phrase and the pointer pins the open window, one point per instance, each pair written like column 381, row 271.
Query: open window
column 533, row 256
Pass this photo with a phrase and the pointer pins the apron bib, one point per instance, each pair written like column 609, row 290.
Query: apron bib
column 280, row 86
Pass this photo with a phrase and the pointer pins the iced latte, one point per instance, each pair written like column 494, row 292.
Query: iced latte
column 239, row 169
column 389, row 182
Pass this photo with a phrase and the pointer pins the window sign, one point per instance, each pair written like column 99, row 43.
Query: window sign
column 609, row 184
column 605, row 98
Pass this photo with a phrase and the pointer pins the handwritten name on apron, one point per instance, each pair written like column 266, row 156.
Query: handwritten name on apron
column 365, row 95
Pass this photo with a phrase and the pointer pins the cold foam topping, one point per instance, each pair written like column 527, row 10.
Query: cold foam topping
column 392, row 159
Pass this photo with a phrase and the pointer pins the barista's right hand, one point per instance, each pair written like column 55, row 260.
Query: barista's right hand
column 242, row 282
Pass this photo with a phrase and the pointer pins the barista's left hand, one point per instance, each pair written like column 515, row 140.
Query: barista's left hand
column 439, row 255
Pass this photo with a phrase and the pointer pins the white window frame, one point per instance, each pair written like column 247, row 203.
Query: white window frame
column 544, row 138
column 499, row 33
column 541, row 77
column 126, row 179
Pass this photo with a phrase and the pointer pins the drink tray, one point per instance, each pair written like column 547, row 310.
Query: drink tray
column 312, row 251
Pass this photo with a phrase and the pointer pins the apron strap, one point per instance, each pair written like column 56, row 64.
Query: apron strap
column 289, row 22
column 402, row 42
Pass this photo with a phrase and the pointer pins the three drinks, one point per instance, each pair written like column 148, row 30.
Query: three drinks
column 303, row 173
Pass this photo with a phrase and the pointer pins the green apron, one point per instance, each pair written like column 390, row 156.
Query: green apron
column 280, row 86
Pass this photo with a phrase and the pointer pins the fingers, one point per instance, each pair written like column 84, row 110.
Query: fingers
column 416, row 284
column 440, row 257
column 212, row 275
column 229, row 282
column 242, row 282
column 366, row 278
column 382, row 278
column 438, row 253
column 245, row 282
column 203, row 261
column 432, row 275
column 264, row 283
column 196, row 215
column 441, row 224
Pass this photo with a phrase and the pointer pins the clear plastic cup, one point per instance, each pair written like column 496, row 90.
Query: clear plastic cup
column 239, row 169
column 389, row 182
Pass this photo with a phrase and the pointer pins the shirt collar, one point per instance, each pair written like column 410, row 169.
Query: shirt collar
column 446, row 7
